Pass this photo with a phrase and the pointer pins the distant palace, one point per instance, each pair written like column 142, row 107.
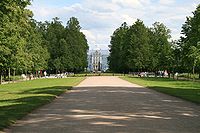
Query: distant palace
column 97, row 60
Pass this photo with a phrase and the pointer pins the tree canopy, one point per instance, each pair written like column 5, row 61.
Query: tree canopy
column 28, row 46
column 67, row 45
column 140, row 48
column 189, row 42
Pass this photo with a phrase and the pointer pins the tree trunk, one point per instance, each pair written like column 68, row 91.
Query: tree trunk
column 14, row 75
column 169, row 74
column 4, row 74
column 36, row 74
column 193, row 71
column 26, row 74
column 0, row 76
column 9, row 75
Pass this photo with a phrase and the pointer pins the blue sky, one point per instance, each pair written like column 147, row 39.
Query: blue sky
column 99, row 18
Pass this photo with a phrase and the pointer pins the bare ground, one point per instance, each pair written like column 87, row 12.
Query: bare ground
column 112, row 105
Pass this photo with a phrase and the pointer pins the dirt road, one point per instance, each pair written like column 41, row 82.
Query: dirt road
column 112, row 105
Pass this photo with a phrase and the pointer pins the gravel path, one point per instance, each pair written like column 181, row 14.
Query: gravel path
column 112, row 105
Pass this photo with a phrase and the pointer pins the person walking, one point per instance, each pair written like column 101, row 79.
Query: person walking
column 45, row 74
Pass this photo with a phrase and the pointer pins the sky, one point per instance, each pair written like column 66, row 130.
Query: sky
column 100, row 18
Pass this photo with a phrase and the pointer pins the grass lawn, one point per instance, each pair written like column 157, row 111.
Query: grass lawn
column 18, row 99
column 187, row 90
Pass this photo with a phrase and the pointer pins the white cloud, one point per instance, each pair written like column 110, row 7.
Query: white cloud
column 166, row 2
column 128, row 19
column 99, row 18
column 101, row 5
column 127, row 3
column 90, row 36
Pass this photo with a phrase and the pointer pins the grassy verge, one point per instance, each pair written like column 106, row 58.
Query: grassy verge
column 16, row 100
column 187, row 90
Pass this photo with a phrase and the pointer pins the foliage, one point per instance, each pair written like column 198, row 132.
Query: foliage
column 117, row 60
column 28, row 46
column 14, row 22
column 194, row 54
column 189, row 42
column 67, row 45
column 138, row 58
column 139, row 48
column 162, row 49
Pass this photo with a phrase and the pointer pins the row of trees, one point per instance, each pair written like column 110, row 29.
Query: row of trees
column 28, row 46
column 67, row 45
column 188, row 46
column 140, row 48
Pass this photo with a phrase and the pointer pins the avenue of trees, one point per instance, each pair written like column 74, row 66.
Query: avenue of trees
column 27, row 46
column 138, row 48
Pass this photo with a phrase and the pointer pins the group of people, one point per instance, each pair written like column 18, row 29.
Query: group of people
column 39, row 74
column 158, row 74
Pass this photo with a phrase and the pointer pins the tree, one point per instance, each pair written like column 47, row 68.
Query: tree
column 162, row 48
column 28, row 45
column 139, row 47
column 117, row 59
column 67, row 45
column 194, row 56
column 14, row 18
column 190, row 40
column 54, row 33
column 77, row 44
column 37, row 48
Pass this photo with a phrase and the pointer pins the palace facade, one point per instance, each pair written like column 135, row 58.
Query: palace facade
column 97, row 60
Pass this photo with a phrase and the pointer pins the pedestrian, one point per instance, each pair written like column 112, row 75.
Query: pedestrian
column 45, row 74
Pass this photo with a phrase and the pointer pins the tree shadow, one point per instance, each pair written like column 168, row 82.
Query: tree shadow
column 49, row 90
column 113, row 109
column 186, row 90
column 25, row 102
column 156, row 79
column 190, row 94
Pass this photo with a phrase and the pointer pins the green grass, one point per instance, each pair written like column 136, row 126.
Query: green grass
column 187, row 90
column 18, row 99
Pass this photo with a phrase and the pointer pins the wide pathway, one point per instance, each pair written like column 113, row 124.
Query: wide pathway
column 112, row 105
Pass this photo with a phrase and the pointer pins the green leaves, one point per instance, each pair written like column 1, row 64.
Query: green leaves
column 138, row 48
column 13, row 24
column 28, row 45
column 73, row 24
column 189, row 44
column 162, row 49
column 194, row 54
column 67, row 45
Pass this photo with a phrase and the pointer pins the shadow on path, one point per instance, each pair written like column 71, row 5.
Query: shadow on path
column 112, row 110
column 17, row 104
